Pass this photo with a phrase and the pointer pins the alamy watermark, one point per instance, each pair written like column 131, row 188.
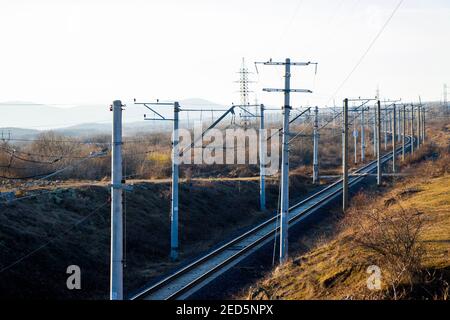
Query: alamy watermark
column 374, row 280
column 230, row 146
column 74, row 280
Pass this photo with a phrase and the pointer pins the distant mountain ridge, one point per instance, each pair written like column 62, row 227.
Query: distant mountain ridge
column 25, row 120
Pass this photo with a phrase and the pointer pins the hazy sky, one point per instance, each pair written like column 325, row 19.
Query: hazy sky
column 99, row 50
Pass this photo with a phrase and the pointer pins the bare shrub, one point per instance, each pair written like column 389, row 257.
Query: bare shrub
column 425, row 152
column 392, row 236
column 438, row 167
column 259, row 292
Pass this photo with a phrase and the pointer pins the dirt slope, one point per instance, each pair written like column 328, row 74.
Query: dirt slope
column 71, row 225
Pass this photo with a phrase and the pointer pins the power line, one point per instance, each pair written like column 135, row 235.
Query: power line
column 31, row 196
column 12, row 154
column 27, row 177
column 51, row 174
column 59, row 141
column 52, row 104
column 366, row 52
column 40, row 155
column 54, row 238
column 291, row 20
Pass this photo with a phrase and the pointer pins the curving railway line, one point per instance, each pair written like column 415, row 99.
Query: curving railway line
column 189, row 279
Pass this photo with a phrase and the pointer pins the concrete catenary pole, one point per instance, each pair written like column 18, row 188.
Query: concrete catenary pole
column 375, row 132
column 175, row 177
column 424, row 125
column 116, row 275
column 385, row 125
column 379, row 172
column 399, row 125
column 363, row 136
column 390, row 126
column 394, row 140
column 355, row 143
column 284, row 208
column 419, row 127
column 262, row 162
column 404, row 133
column 316, row 147
column 285, row 167
column 345, row 157
column 409, row 112
column 412, row 129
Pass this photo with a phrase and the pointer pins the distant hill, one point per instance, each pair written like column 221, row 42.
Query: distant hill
column 18, row 133
column 27, row 119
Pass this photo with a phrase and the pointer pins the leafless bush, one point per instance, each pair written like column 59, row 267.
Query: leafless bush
column 439, row 166
column 426, row 151
column 392, row 235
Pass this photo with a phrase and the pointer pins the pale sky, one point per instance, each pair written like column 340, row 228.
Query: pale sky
column 96, row 51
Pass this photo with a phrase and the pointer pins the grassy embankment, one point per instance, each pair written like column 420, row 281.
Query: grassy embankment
column 403, row 227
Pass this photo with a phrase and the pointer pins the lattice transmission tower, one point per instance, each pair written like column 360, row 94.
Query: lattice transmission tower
column 244, row 91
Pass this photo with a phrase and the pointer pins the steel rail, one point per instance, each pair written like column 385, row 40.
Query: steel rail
column 293, row 220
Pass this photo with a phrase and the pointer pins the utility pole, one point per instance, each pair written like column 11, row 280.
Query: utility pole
column 316, row 147
column 379, row 173
column 262, row 162
column 284, row 223
column 394, row 140
column 375, row 135
column 419, row 127
column 391, row 127
column 174, row 208
column 116, row 276
column 399, row 125
column 425, row 125
column 355, row 143
column 175, row 176
column 403, row 133
column 424, row 131
column 412, row 129
column 385, row 127
column 345, row 157
column 363, row 136
column 409, row 114
column 4, row 139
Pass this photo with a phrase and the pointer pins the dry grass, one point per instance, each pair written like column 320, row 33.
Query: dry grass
column 204, row 222
column 28, row 224
column 405, row 230
column 337, row 268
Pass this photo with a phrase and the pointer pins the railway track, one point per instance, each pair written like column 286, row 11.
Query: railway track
column 189, row 279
